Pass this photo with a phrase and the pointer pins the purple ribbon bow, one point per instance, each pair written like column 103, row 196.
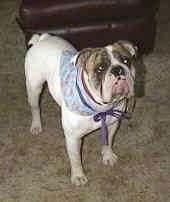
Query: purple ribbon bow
column 102, row 117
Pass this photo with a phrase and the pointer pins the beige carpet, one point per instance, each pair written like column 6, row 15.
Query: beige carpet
column 36, row 169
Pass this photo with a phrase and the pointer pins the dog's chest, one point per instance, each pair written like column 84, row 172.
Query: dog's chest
column 81, row 125
column 89, row 125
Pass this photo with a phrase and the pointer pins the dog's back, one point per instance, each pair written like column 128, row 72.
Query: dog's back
column 42, row 62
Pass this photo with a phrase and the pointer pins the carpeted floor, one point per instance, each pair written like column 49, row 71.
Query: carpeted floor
column 36, row 169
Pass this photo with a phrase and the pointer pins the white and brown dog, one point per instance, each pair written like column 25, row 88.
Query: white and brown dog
column 91, row 86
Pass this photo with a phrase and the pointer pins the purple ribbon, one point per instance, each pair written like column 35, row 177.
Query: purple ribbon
column 102, row 117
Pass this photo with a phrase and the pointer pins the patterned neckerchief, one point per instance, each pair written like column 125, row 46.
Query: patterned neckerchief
column 72, row 86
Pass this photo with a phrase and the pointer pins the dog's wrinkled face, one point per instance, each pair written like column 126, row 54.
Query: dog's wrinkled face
column 110, row 70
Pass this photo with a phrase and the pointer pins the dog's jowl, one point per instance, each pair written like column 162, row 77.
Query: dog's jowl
column 92, row 87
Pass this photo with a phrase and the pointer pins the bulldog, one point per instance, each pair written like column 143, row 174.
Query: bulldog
column 92, row 86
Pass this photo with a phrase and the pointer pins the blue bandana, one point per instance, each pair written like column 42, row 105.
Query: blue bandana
column 74, row 93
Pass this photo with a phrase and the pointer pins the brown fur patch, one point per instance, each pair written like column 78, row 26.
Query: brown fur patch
column 122, row 53
column 118, row 47
column 97, row 65
column 98, row 58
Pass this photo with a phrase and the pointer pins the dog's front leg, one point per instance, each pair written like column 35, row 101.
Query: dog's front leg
column 74, row 151
column 108, row 156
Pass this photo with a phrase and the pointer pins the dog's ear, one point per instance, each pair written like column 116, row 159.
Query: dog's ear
column 80, row 59
column 130, row 47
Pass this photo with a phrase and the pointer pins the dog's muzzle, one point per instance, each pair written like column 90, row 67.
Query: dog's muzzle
column 123, row 84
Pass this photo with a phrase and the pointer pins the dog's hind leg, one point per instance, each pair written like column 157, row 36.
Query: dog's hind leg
column 34, row 88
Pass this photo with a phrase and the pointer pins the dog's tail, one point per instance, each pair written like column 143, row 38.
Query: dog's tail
column 37, row 38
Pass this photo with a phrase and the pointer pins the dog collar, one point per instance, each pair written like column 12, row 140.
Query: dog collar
column 78, row 100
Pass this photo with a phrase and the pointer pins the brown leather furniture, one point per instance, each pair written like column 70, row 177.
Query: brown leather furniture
column 91, row 23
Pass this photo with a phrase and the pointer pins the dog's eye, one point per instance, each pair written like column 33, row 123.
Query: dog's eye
column 126, row 61
column 100, row 69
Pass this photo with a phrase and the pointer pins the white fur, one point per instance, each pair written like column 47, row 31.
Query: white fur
column 42, row 64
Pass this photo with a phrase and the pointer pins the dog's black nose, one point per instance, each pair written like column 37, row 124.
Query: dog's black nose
column 118, row 71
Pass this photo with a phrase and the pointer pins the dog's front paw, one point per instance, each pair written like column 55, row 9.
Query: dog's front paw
column 108, row 157
column 36, row 128
column 79, row 180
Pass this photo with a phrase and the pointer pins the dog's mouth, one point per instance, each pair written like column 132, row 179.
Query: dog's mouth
column 120, row 86
column 115, row 87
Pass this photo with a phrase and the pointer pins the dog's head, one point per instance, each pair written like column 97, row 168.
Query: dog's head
column 109, row 71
